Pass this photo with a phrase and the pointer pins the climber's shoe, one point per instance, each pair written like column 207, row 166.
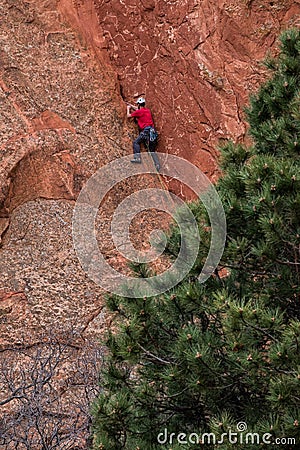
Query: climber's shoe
column 136, row 160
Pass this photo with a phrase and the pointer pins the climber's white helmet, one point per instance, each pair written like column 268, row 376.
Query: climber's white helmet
column 140, row 100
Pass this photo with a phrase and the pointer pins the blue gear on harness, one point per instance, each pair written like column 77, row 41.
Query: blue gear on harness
column 153, row 135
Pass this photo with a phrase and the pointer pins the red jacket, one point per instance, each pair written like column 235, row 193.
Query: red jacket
column 144, row 118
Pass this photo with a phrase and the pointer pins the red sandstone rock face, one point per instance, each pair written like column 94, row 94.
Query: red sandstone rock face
column 196, row 62
column 62, row 118
column 14, row 314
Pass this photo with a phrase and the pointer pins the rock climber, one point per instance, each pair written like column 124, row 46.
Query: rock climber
column 147, row 134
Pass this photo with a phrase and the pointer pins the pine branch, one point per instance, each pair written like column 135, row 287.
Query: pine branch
column 287, row 263
column 262, row 331
column 153, row 356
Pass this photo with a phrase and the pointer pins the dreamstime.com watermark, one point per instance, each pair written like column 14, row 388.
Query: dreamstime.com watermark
column 240, row 436
column 98, row 186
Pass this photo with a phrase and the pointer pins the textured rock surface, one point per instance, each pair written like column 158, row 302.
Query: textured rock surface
column 50, row 141
column 61, row 119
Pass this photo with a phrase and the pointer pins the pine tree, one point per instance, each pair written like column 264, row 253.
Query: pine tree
column 203, row 357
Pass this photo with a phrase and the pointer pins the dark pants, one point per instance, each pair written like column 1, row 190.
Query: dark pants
column 143, row 138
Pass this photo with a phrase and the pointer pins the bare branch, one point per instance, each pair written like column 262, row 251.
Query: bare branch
column 46, row 393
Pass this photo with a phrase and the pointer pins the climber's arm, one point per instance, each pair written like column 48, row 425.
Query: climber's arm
column 128, row 110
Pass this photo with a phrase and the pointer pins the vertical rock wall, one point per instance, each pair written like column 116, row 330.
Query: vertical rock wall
column 61, row 119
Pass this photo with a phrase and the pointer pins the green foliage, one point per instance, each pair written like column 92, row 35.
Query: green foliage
column 203, row 357
column 273, row 114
